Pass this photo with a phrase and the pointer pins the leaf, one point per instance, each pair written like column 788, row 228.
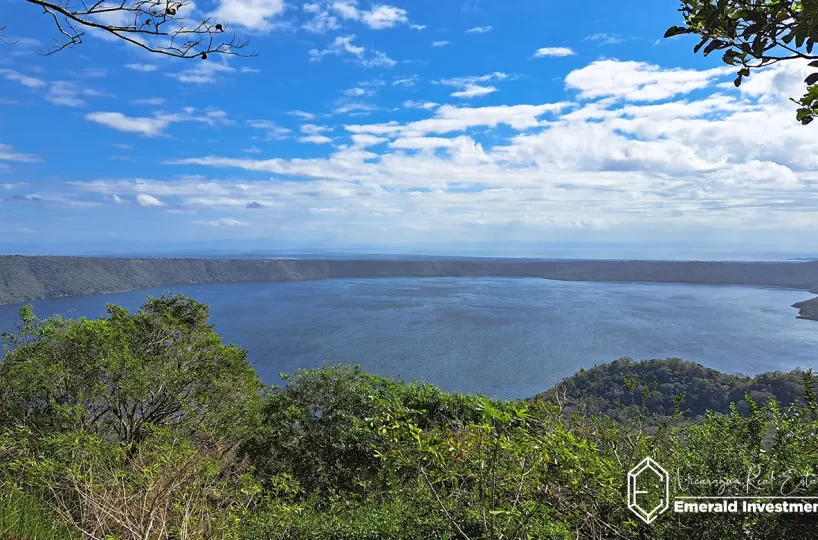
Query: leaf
column 737, row 82
column 715, row 44
column 812, row 79
column 814, row 63
column 701, row 44
column 676, row 31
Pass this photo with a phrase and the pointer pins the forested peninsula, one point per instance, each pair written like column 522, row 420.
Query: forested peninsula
column 24, row 278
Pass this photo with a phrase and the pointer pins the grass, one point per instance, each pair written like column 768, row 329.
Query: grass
column 23, row 517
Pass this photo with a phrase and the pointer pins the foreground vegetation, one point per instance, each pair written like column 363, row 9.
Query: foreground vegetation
column 145, row 426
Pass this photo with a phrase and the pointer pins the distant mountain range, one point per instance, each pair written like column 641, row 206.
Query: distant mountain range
column 24, row 278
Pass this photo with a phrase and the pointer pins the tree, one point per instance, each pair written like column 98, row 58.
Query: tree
column 122, row 376
column 757, row 33
column 158, row 26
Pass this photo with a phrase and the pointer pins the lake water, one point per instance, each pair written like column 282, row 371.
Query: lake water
column 503, row 337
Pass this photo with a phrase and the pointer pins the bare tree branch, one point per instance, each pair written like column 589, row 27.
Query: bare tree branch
column 158, row 26
column 3, row 38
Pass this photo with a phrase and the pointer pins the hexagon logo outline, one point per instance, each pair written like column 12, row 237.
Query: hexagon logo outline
column 647, row 466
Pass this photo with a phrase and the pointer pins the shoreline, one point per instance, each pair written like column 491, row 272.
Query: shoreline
column 25, row 278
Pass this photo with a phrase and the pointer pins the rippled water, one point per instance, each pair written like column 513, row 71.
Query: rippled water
column 503, row 337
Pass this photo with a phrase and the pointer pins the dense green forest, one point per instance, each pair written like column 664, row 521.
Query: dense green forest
column 27, row 278
column 664, row 387
column 145, row 426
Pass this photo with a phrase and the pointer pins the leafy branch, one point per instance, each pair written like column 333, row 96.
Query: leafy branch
column 754, row 34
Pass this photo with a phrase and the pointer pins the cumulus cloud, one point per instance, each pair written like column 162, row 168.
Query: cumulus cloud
column 314, row 134
column 440, row 43
column 251, row 14
column 480, row 30
column 553, row 51
column 381, row 17
column 639, row 81
column 148, row 201
column 378, row 18
column 659, row 149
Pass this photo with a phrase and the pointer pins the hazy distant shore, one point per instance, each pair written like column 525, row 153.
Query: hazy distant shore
column 24, row 278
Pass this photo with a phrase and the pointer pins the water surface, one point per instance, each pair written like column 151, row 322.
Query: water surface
column 502, row 337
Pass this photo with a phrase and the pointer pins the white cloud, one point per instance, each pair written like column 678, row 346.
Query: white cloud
column 469, row 87
column 378, row 59
column 553, row 51
column 273, row 130
column 315, row 139
column 473, row 90
column 405, row 81
column 440, row 43
column 203, row 72
column 251, row 14
column 302, row 114
column 150, row 127
column 25, row 80
column 381, row 16
column 357, row 92
column 363, row 140
column 422, row 143
column 355, row 107
column 480, row 30
column 409, row 104
column 417, row 27
column 343, row 45
column 223, row 222
column 322, row 20
column 69, row 93
column 7, row 153
column 144, row 68
column 638, row 157
column 639, row 81
column 148, row 201
column 605, row 39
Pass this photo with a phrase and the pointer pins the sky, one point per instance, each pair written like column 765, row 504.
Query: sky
column 457, row 126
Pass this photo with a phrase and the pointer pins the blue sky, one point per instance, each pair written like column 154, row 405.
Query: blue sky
column 437, row 126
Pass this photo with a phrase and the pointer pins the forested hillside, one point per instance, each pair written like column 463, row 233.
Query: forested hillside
column 808, row 309
column 26, row 278
column 627, row 388
column 145, row 426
